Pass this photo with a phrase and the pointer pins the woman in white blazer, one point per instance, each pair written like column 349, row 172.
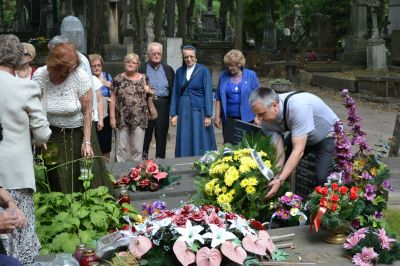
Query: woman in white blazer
column 23, row 121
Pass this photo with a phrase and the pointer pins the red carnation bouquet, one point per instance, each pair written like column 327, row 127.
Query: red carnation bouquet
column 148, row 176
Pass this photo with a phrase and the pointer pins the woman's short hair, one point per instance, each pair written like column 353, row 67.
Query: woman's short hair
column 132, row 56
column 30, row 48
column 263, row 95
column 11, row 51
column 234, row 57
column 93, row 57
column 62, row 56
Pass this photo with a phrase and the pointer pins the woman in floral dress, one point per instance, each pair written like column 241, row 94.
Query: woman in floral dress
column 129, row 110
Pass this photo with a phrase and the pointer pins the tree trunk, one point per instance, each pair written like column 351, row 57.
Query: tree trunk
column 170, row 10
column 223, row 11
column 238, row 44
column 138, row 5
column 158, row 20
column 94, row 32
column 189, row 15
column 20, row 14
column 1, row 15
column 181, row 18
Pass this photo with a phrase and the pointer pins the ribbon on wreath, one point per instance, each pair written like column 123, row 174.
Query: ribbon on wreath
column 317, row 220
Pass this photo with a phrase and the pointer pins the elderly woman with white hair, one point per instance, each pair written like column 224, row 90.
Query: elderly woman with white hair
column 25, row 71
column 129, row 110
column 22, row 119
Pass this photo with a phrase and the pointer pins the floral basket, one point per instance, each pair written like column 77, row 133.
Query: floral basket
column 201, row 235
column 231, row 178
column 288, row 211
column 148, row 176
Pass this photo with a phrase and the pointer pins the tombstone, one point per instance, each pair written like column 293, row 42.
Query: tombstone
column 393, row 16
column 395, row 49
column 269, row 34
column 297, row 24
column 174, row 53
column 354, row 53
column 237, row 128
column 210, row 30
column 113, row 51
column 395, row 143
column 150, row 28
column 305, row 180
column 321, row 36
column 376, row 49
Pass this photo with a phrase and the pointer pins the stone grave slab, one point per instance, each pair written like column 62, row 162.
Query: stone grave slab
column 174, row 54
column 172, row 195
column 305, row 180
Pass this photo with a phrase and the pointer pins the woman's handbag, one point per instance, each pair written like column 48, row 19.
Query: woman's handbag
column 153, row 114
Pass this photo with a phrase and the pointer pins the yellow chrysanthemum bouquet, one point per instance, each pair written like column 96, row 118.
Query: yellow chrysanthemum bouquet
column 231, row 178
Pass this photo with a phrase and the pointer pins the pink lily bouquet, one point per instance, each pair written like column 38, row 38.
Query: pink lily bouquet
column 201, row 235
column 147, row 176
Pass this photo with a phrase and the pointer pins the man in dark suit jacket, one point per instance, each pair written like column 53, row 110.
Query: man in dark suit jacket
column 161, row 78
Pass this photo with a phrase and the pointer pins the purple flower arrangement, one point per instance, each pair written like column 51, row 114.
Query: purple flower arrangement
column 288, row 210
column 369, row 246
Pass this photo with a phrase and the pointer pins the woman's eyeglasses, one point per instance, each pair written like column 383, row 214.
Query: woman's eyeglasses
column 27, row 54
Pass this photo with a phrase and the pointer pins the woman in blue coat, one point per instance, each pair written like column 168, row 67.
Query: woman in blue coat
column 191, row 107
column 233, row 92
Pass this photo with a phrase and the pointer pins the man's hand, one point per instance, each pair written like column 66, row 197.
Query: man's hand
column 100, row 124
column 273, row 186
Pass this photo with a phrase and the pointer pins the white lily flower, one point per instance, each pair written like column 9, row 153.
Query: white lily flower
column 158, row 224
column 141, row 228
column 242, row 225
column 190, row 233
column 218, row 235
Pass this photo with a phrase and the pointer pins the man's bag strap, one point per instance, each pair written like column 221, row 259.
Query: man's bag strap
column 285, row 107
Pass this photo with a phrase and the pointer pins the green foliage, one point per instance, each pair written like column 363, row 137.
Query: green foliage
column 64, row 220
column 392, row 218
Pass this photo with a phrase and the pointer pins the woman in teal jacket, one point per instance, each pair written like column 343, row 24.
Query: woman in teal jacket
column 234, row 88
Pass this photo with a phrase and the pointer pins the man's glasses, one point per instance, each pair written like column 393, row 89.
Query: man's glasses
column 156, row 53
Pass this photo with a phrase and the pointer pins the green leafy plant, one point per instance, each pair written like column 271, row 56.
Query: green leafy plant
column 64, row 220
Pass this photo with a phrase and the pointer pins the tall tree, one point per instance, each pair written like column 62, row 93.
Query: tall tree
column 238, row 44
column 170, row 10
column 181, row 4
column 189, row 15
column 96, row 10
column 1, row 14
column 20, row 15
column 138, row 6
column 223, row 17
column 158, row 19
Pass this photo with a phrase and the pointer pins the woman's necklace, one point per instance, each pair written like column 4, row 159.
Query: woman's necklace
column 236, row 81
